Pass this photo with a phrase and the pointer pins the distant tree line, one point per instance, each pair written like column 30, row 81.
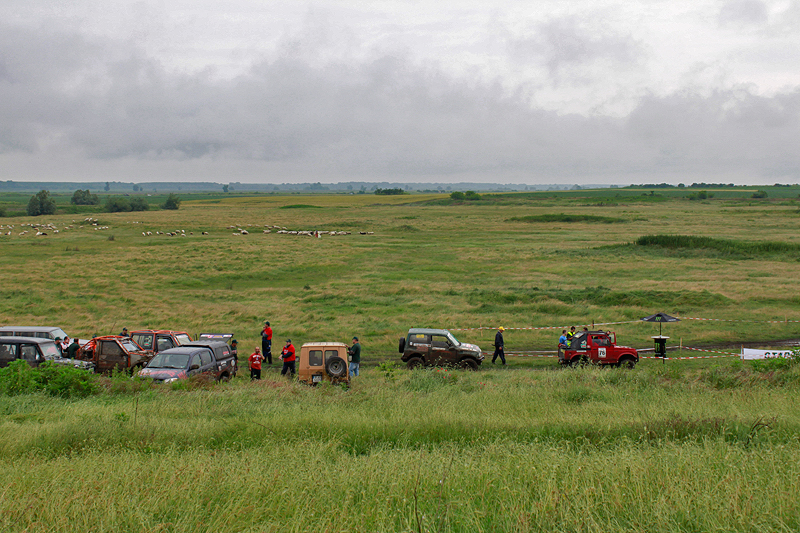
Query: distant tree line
column 389, row 192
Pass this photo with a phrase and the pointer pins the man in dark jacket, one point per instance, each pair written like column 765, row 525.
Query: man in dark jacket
column 354, row 352
column 499, row 346
column 266, row 342
column 73, row 349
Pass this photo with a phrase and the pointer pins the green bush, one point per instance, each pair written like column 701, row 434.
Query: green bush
column 117, row 204
column 80, row 197
column 173, row 202
column 18, row 378
column 53, row 379
column 759, row 194
column 457, row 195
column 41, row 204
column 472, row 196
column 138, row 203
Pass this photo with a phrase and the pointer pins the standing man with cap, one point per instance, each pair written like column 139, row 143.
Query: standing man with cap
column 355, row 356
column 288, row 358
column 499, row 346
column 266, row 342
column 124, row 333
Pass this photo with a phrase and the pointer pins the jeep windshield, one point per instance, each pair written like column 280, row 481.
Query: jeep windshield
column 452, row 339
column 49, row 349
column 169, row 360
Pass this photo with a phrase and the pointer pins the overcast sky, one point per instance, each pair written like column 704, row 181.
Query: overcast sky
column 582, row 91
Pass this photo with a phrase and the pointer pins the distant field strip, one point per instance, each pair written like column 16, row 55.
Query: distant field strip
column 600, row 296
column 567, row 218
column 725, row 246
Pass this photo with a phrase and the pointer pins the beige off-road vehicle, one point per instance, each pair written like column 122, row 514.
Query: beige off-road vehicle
column 323, row 361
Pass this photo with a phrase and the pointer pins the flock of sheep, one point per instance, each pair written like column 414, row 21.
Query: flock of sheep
column 45, row 229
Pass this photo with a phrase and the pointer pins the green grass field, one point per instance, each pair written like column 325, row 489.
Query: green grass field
column 686, row 445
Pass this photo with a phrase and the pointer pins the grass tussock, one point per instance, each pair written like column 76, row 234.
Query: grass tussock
column 542, row 299
column 724, row 246
column 561, row 217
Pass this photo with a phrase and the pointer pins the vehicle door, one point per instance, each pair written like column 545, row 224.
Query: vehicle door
column 420, row 343
column 600, row 348
column 195, row 365
column 109, row 354
column 207, row 363
column 164, row 342
column 8, row 353
column 313, row 366
column 30, row 354
column 442, row 350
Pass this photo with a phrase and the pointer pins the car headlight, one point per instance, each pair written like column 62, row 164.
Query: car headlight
column 170, row 380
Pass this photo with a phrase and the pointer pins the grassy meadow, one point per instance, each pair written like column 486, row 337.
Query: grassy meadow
column 700, row 445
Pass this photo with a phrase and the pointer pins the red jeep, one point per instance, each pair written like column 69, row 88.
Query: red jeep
column 113, row 351
column 599, row 347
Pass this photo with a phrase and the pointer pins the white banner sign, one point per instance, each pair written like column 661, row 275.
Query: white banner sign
column 749, row 353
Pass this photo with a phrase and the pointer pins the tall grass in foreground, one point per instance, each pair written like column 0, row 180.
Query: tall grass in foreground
column 657, row 449
column 499, row 486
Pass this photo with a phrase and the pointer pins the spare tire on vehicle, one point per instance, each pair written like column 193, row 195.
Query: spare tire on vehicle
column 402, row 345
column 336, row 367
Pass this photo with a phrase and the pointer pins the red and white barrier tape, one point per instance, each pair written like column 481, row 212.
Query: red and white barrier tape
column 731, row 320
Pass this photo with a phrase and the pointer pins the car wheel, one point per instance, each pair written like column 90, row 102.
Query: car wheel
column 224, row 378
column 402, row 345
column 336, row 367
column 468, row 364
column 627, row 363
column 414, row 362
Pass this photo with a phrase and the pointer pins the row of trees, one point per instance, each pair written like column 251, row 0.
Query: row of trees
column 42, row 203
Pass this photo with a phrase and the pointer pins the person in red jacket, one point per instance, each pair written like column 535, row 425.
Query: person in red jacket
column 266, row 342
column 288, row 358
column 255, row 364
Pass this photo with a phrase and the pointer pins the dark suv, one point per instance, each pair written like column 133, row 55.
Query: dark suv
column 34, row 350
column 186, row 361
column 438, row 347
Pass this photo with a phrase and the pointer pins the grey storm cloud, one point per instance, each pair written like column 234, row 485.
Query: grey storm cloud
column 565, row 43
column 386, row 115
column 743, row 12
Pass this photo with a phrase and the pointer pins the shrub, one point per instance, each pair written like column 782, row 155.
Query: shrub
column 80, row 197
column 472, row 196
column 2, row 211
column 17, row 378
column 457, row 195
column 117, row 204
column 759, row 194
column 53, row 379
column 41, row 204
column 139, row 204
column 172, row 202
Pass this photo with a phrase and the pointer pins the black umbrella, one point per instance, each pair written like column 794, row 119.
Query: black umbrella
column 660, row 318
